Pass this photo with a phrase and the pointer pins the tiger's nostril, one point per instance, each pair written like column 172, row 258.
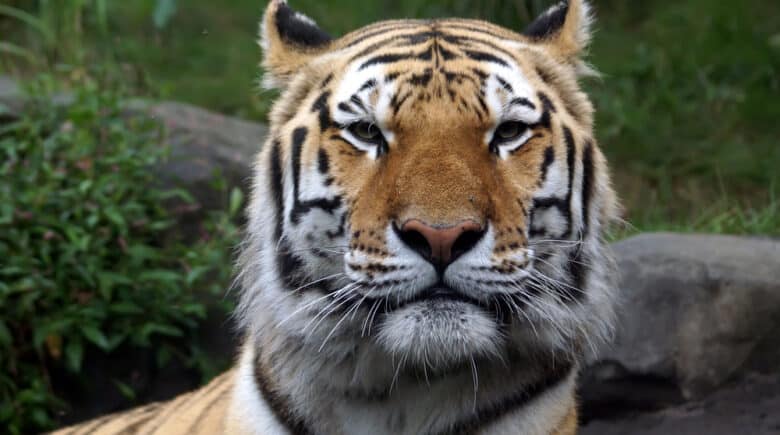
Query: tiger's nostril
column 440, row 245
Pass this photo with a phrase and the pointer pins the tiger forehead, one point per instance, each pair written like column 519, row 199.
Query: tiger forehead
column 394, row 66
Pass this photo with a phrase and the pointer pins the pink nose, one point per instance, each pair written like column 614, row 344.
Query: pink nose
column 441, row 245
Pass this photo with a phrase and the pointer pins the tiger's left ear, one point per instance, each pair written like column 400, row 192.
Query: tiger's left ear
column 564, row 29
column 289, row 40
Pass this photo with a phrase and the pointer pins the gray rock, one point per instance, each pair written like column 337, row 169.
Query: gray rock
column 748, row 407
column 204, row 143
column 696, row 312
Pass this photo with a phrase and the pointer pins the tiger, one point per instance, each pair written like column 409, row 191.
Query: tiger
column 424, row 251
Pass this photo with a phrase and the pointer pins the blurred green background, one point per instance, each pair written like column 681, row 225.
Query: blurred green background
column 688, row 115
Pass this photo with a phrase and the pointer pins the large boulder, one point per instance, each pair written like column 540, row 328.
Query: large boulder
column 696, row 311
column 748, row 407
column 204, row 143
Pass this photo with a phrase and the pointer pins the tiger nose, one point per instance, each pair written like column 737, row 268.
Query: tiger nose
column 440, row 245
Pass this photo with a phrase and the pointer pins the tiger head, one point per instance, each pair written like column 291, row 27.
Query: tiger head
column 430, row 191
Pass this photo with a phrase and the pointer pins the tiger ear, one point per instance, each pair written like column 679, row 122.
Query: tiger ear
column 565, row 30
column 289, row 40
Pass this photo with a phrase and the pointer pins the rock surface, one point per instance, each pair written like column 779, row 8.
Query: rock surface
column 203, row 143
column 697, row 311
column 749, row 407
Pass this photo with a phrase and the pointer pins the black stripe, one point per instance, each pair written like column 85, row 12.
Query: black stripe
column 302, row 207
column 395, row 57
column 322, row 161
column 481, row 74
column 358, row 102
column 587, row 185
column 571, row 151
column 289, row 265
column 397, row 102
column 172, row 411
column 550, row 202
column 141, row 418
column 544, row 76
column 344, row 107
column 520, row 101
column 277, row 192
column 547, row 104
column 280, row 404
column 482, row 56
column 321, row 106
column 207, row 411
column 495, row 411
column 454, row 24
column 506, row 85
column 396, row 41
column 369, row 84
column 379, row 29
column 421, row 79
column 545, row 203
column 446, row 54
column 327, row 80
column 459, row 40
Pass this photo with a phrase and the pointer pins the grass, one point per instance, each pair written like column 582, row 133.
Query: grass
column 687, row 107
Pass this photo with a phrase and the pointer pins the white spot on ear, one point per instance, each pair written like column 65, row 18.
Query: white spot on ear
column 305, row 19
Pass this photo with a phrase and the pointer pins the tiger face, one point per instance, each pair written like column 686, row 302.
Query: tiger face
column 430, row 192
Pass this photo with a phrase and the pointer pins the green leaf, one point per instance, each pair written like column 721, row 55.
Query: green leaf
column 158, row 328
column 31, row 20
column 160, row 275
column 195, row 274
column 125, row 307
column 15, row 50
column 95, row 336
column 74, row 354
column 115, row 217
column 236, row 199
column 124, row 389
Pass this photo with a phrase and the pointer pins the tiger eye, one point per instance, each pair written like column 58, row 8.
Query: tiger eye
column 366, row 131
column 509, row 130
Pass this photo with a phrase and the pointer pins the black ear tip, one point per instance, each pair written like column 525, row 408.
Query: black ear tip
column 549, row 23
column 298, row 29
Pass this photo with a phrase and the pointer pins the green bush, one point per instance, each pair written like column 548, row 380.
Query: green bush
column 88, row 256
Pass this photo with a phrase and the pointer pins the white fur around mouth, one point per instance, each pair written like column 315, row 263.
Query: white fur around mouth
column 439, row 332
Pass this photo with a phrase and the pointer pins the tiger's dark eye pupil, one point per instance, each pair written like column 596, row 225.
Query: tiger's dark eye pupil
column 367, row 131
column 509, row 130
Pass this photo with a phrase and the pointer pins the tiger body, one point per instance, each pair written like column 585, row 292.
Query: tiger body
column 423, row 251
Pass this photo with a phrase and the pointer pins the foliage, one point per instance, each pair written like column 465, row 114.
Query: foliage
column 88, row 258
column 59, row 27
column 691, row 127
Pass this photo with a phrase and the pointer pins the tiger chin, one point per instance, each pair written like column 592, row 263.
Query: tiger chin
column 423, row 252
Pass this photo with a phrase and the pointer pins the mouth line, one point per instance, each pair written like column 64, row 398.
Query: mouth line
column 438, row 292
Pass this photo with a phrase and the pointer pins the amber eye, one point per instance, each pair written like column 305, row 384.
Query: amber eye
column 509, row 130
column 367, row 131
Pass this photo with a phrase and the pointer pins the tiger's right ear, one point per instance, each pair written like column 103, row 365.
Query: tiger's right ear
column 289, row 40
